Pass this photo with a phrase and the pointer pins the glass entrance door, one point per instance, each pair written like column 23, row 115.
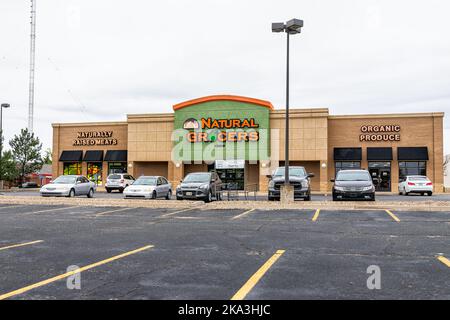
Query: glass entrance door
column 232, row 179
column 381, row 175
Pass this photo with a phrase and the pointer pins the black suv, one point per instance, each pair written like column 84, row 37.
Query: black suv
column 297, row 178
column 200, row 186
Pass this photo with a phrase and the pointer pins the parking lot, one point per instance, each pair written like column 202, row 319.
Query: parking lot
column 197, row 252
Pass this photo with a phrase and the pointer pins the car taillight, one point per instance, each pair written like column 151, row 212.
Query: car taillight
column 411, row 184
column 429, row 183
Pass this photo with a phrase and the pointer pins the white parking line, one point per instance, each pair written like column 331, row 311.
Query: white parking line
column 12, row 207
column 112, row 211
column 173, row 213
column 243, row 214
column 50, row 210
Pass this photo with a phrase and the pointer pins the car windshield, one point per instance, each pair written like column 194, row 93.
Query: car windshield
column 147, row 181
column 114, row 176
column 197, row 177
column 418, row 178
column 353, row 176
column 292, row 172
column 65, row 180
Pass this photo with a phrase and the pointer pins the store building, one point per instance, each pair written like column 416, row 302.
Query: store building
column 243, row 140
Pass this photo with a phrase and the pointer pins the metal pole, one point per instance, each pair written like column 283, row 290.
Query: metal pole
column 286, row 151
column 1, row 132
column 32, row 66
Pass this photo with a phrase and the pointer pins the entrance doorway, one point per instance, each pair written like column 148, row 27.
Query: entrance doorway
column 381, row 175
column 231, row 172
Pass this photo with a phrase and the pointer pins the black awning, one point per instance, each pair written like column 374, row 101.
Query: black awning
column 116, row 155
column 347, row 154
column 379, row 154
column 93, row 156
column 412, row 153
column 71, row 156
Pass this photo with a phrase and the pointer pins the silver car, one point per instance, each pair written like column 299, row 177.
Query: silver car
column 69, row 186
column 149, row 187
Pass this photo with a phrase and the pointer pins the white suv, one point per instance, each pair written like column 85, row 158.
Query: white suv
column 118, row 181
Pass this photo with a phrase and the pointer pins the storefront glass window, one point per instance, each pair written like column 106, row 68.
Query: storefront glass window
column 72, row 168
column 94, row 172
column 381, row 175
column 412, row 168
column 117, row 167
column 347, row 165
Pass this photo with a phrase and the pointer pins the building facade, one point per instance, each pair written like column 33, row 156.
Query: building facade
column 243, row 140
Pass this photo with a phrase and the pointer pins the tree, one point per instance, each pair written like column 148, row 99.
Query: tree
column 26, row 151
column 8, row 167
column 47, row 159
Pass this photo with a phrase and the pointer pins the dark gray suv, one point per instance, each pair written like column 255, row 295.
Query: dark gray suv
column 200, row 186
column 297, row 177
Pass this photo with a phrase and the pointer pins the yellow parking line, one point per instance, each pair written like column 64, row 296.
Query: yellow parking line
column 248, row 286
column 242, row 214
column 173, row 213
column 49, row 210
column 444, row 260
column 113, row 211
column 393, row 216
column 316, row 215
column 21, row 245
column 68, row 274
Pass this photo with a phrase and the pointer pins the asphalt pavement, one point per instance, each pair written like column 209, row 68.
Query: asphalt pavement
column 150, row 253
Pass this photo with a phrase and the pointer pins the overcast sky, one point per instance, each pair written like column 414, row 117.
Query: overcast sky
column 97, row 60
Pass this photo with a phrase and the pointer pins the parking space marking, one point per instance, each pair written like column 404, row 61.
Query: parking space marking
column 316, row 215
column 242, row 214
column 173, row 213
column 21, row 245
column 248, row 286
column 392, row 215
column 49, row 210
column 112, row 211
column 444, row 260
column 13, row 207
column 68, row 274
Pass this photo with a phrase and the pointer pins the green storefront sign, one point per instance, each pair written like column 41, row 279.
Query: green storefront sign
column 221, row 128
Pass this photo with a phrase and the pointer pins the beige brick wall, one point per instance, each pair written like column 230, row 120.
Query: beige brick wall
column 417, row 130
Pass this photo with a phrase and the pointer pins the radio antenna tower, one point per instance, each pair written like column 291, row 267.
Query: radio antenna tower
column 32, row 54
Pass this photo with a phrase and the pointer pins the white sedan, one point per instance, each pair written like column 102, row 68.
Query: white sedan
column 149, row 187
column 416, row 184
column 69, row 186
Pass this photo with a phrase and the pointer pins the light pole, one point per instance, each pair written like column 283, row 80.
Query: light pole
column 293, row 26
column 3, row 105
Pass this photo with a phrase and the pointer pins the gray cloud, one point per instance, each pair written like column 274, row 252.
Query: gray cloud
column 99, row 60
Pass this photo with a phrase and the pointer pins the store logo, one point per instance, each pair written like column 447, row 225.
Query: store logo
column 191, row 123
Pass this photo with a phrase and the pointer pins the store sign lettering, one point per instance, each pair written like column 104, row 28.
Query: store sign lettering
column 221, row 135
column 95, row 138
column 373, row 133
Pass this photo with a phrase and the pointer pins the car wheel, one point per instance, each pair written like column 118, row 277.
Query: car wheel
column 169, row 195
column 430, row 194
column 90, row 193
column 108, row 190
column 335, row 198
column 208, row 197
column 154, row 195
column 121, row 190
column 71, row 193
column 308, row 197
column 372, row 198
column 271, row 199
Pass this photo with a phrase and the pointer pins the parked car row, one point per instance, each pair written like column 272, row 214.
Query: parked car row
column 204, row 186
column 207, row 186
